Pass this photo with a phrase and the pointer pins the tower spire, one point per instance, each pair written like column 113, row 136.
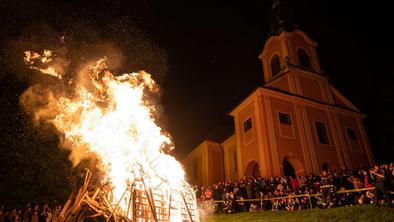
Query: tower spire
column 280, row 18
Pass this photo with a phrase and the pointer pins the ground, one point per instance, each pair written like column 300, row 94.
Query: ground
column 349, row 213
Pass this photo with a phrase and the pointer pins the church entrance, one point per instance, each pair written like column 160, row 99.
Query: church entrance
column 325, row 166
column 288, row 169
column 292, row 166
column 253, row 169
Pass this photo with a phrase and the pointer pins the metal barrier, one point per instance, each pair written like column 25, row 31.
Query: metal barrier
column 296, row 196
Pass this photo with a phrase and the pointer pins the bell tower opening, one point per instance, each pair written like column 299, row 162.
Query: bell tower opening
column 275, row 65
column 287, row 49
column 303, row 58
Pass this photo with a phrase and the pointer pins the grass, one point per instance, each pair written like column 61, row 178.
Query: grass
column 354, row 213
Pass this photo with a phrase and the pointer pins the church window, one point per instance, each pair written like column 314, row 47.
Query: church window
column 247, row 124
column 352, row 134
column 303, row 58
column 275, row 65
column 322, row 132
column 284, row 118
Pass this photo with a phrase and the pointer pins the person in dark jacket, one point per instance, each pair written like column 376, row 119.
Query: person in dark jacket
column 380, row 186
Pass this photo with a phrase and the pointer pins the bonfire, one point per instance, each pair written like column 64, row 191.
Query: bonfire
column 110, row 116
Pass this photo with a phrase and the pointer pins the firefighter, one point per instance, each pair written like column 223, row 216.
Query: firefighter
column 327, row 190
column 228, row 204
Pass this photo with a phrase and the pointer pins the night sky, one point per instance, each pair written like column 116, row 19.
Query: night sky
column 204, row 55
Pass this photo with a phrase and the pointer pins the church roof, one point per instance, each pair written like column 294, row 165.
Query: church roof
column 276, row 90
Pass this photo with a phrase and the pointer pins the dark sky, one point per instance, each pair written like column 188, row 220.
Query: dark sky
column 207, row 52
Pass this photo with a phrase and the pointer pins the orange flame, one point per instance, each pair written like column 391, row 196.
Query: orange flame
column 114, row 121
column 31, row 57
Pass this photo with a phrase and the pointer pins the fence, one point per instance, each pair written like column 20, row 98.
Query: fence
column 261, row 199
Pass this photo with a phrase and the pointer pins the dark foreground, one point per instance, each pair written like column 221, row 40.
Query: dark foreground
column 348, row 213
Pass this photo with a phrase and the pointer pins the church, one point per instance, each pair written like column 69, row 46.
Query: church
column 295, row 123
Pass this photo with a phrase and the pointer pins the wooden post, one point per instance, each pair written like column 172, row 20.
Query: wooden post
column 134, row 205
column 130, row 199
column 144, row 203
column 116, row 206
column 61, row 216
column 150, row 201
column 169, row 208
column 187, row 207
column 261, row 202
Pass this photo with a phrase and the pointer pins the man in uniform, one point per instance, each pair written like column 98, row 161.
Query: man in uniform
column 327, row 189
column 380, row 186
column 228, row 204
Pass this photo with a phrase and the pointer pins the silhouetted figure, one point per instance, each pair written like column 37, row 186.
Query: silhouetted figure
column 2, row 214
column 27, row 214
column 34, row 217
column 327, row 190
column 380, row 186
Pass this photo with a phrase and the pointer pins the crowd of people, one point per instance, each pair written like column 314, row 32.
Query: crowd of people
column 262, row 194
column 30, row 213
column 299, row 192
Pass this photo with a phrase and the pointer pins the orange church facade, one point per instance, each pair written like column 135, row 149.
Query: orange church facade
column 297, row 121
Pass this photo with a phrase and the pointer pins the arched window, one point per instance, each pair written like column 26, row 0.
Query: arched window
column 303, row 58
column 275, row 65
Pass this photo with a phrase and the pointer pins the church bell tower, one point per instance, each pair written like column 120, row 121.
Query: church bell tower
column 289, row 55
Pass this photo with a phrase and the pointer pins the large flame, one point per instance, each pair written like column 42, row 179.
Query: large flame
column 32, row 58
column 112, row 119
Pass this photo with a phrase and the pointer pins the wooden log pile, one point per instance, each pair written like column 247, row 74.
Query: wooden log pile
column 144, row 204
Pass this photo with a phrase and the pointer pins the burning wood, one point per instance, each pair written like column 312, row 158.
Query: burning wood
column 144, row 204
column 110, row 117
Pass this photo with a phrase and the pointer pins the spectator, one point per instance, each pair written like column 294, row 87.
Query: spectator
column 253, row 207
column 12, row 215
column 368, row 183
column 56, row 212
column 27, row 213
column 228, row 204
column 294, row 183
column 44, row 213
column 34, row 217
column 208, row 194
column 356, row 182
column 290, row 204
column 2, row 213
column 380, row 186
